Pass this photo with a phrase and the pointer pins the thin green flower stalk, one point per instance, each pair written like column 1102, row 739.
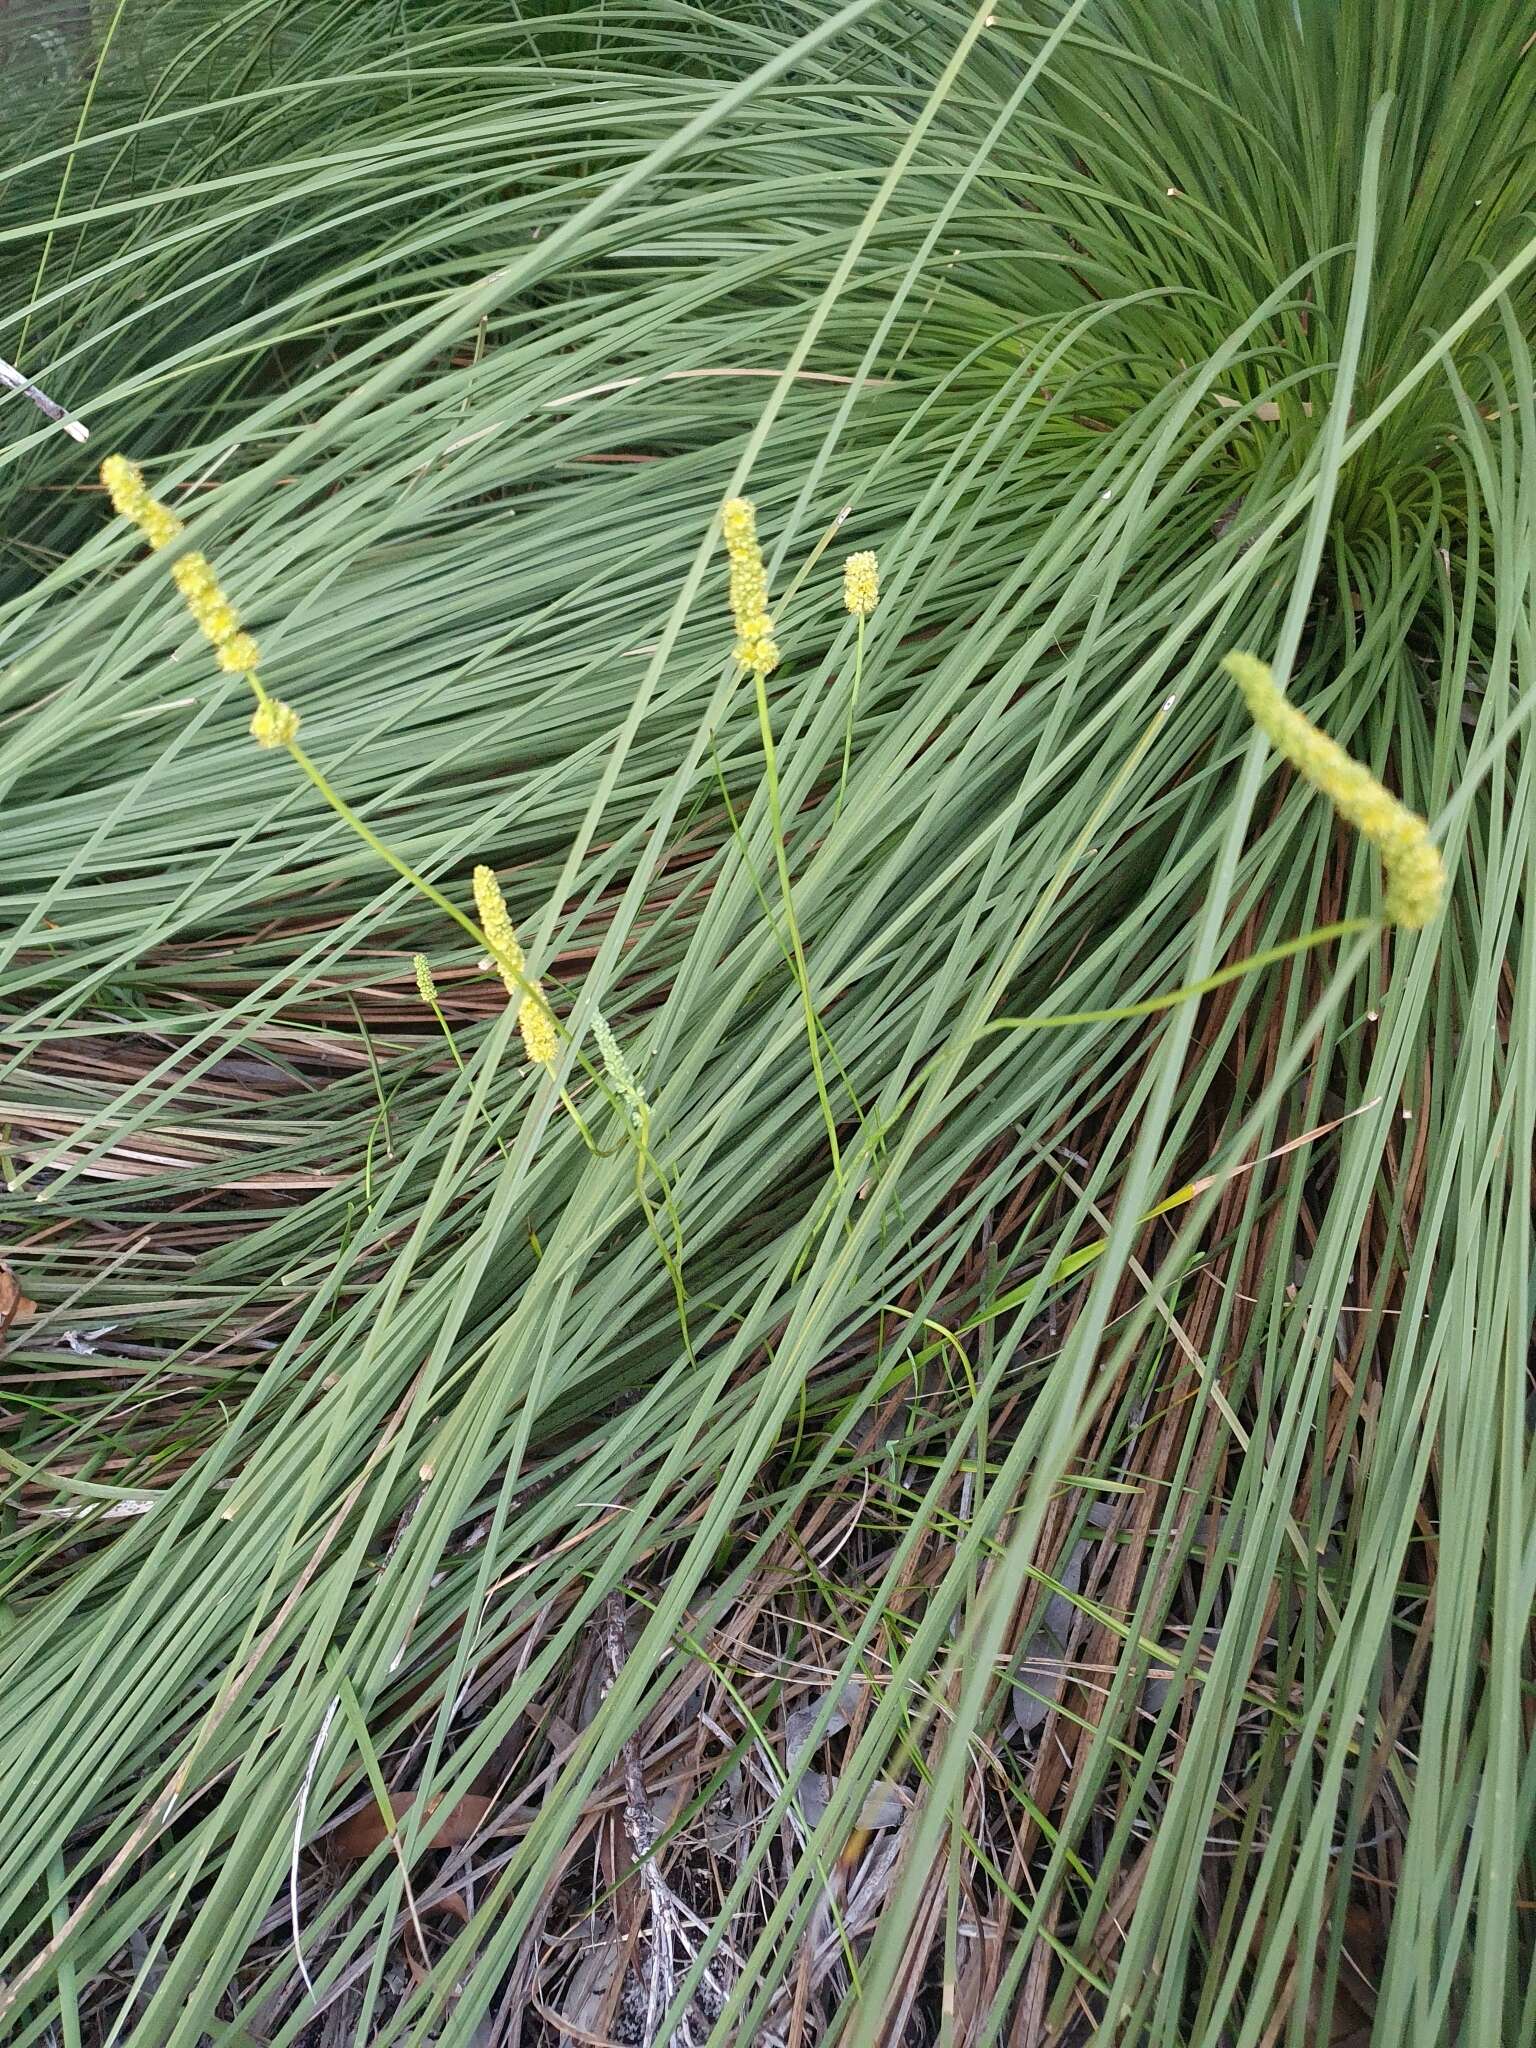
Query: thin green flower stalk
column 426, row 988
column 861, row 593
column 758, row 653
column 637, row 1112
column 756, row 648
column 1415, row 873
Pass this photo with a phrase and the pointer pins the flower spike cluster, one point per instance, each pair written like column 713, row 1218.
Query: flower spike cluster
column 496, row 923
column 619, row 1072
column 861, row 583
column 535, row 1019
column 756, row 648
column 272, row 724
column 131, row 499
column 192, row 574
column 1415, row 873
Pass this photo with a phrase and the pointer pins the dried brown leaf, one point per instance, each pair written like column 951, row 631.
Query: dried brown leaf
column 14, row 1305
column 358, row 1836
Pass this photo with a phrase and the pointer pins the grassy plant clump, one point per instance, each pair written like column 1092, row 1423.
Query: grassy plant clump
column 900, row 1412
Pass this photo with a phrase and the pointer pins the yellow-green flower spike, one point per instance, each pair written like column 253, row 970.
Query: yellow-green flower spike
column 217, row 617
column 160, row 525
column 496, row 923
column 861, row 584
column 239, row 655
column 426, row 987
column 1415, row 873
column 192, row 574
column 536, row 1021
column 274, row 724
column 756, row 648
column 124, row 486
column 618, row 1070
column 615, row 1064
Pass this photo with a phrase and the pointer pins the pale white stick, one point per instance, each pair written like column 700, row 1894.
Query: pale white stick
column 12, row 378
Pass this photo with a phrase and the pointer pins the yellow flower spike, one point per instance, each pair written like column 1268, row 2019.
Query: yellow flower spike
column 124, row 484
column 131, row 498
column 756, row 648
column 159, row 524
column 496, row 923
column 1415, row 873
column 239, row 655
column 274, row 724
column 192, row 573
column 193, row 576
column 758, row 653
column 861, row 583
column 219, row 620
column 426, row 987
column 536, row 1021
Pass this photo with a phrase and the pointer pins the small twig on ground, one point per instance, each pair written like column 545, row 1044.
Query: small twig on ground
column 640, row 1825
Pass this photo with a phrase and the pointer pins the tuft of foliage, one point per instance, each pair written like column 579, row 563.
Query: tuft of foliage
column 956, row 1499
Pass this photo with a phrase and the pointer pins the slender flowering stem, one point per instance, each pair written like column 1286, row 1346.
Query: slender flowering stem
column 1172, row 998
column 758, row 653
column 427, row 989
column 371, row 839
column 802, row 972
column 853, row 705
